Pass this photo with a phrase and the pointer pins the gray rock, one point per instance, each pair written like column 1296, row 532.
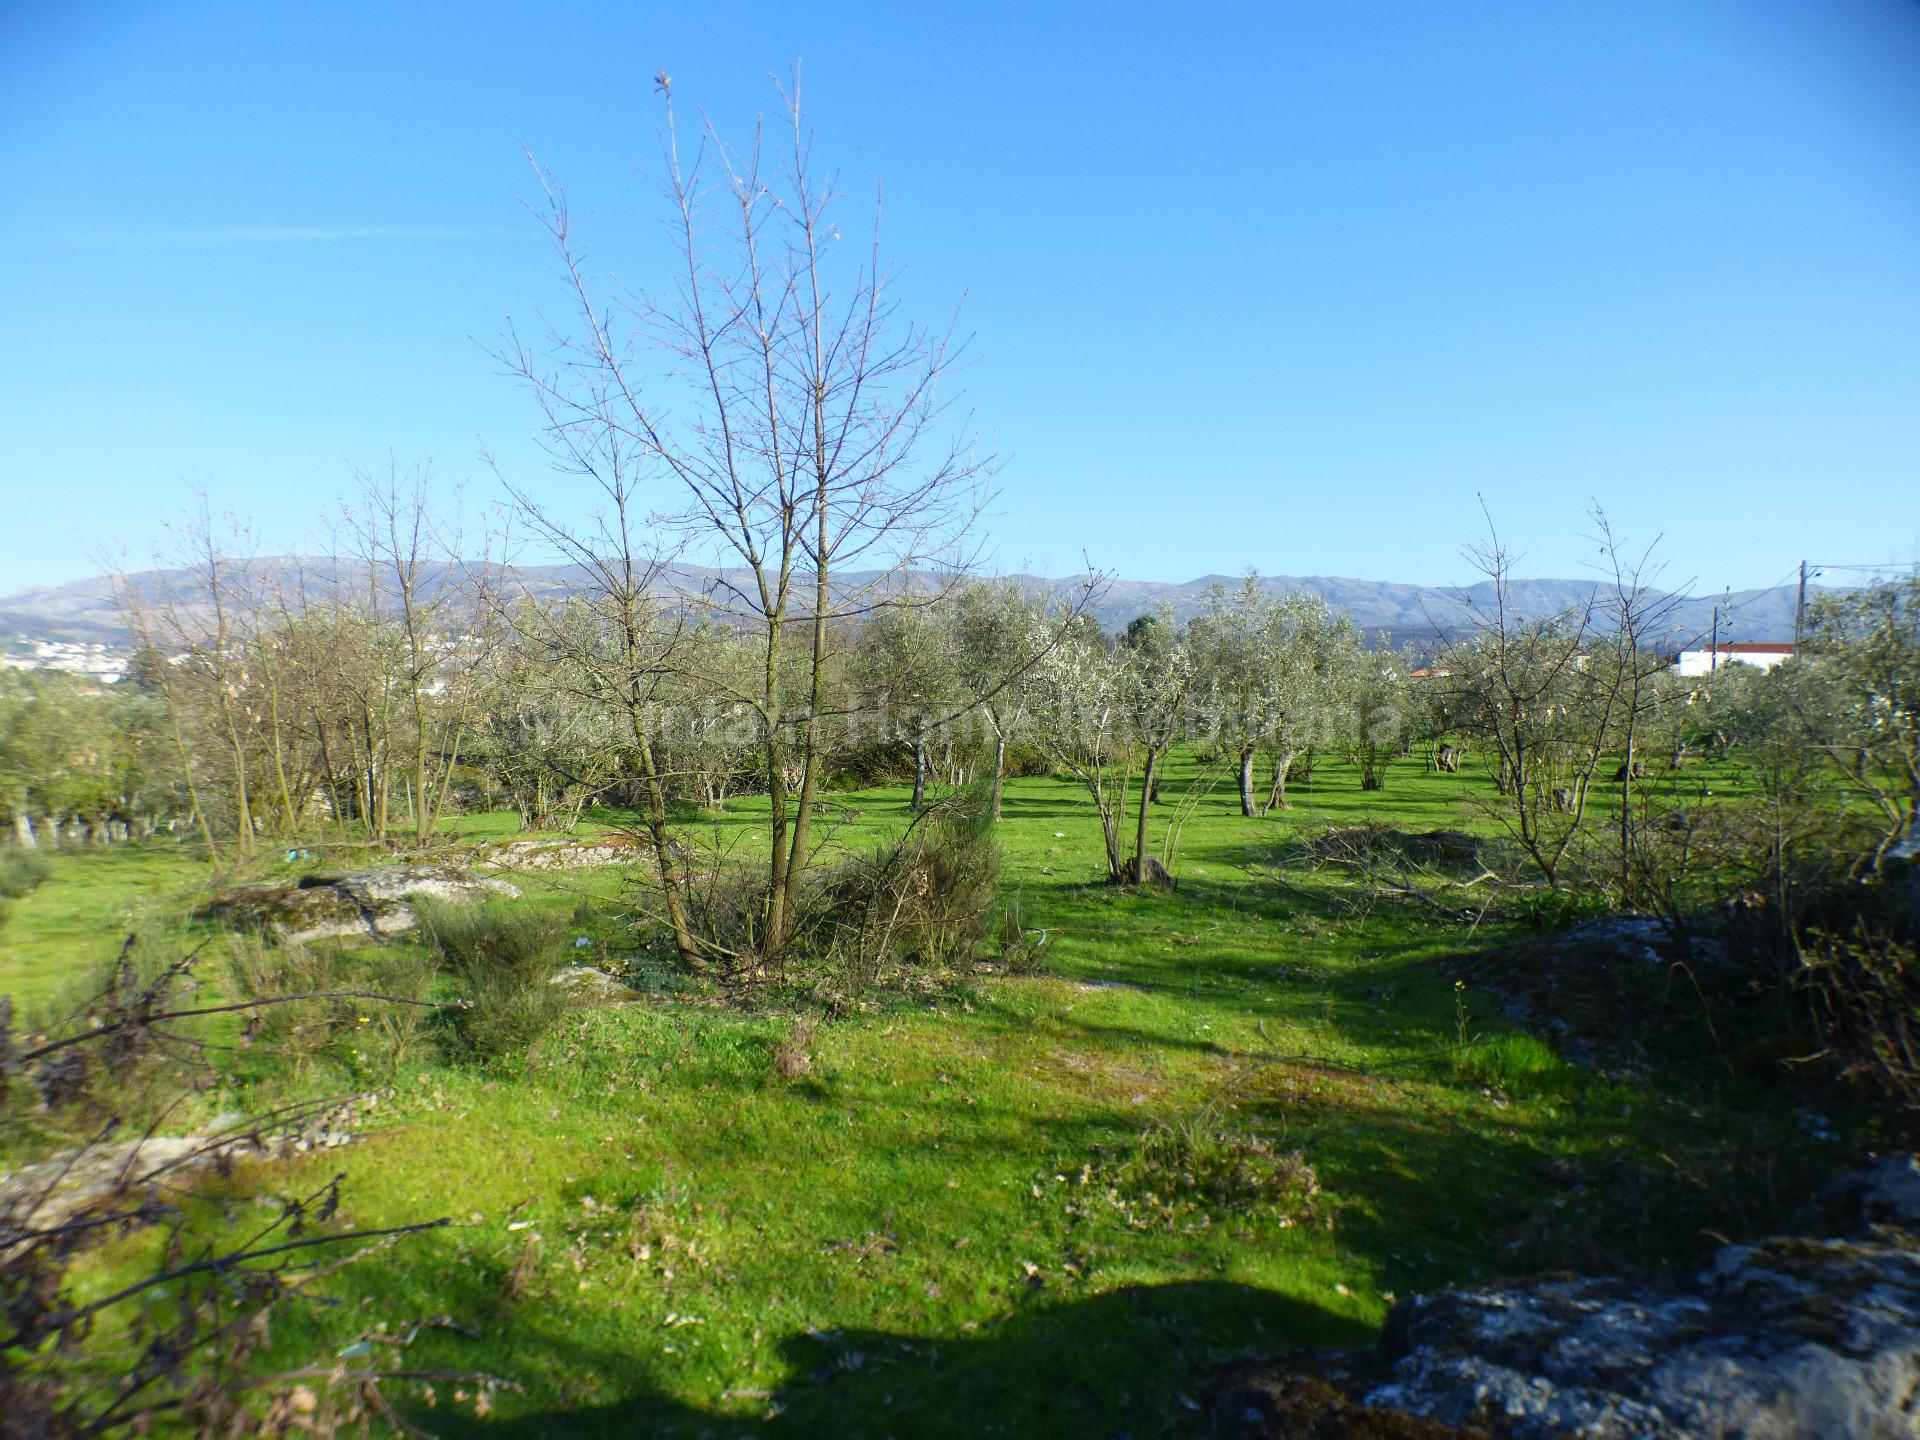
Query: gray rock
column 1886, row 1192
column 357, row 904
column 1788, row 1339
column 587, row 985
column 560, row 854
column 76, row 1182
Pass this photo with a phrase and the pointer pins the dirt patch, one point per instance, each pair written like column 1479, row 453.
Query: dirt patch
column 1103, row 1075
column 1441, row 849
column 1255, row 1404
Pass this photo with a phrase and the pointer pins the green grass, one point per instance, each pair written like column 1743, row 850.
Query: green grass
column 60, row 933
column 654, row 1233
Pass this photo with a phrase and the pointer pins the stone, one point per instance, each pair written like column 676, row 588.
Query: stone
column 1790, row 1338
column 561, row 854
column 74, row 1182
column 1784, row 1340
column 357, row 904
column 586, row 985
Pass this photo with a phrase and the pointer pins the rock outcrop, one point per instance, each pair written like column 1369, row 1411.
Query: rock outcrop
column 47, row 1194
column 587, row 986
column 358, row 904
column 1785, row 1339
column 560, row 854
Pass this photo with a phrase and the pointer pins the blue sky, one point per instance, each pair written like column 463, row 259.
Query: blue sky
column 1279, row 285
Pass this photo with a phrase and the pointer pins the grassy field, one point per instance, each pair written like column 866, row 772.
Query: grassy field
column 944, row 1227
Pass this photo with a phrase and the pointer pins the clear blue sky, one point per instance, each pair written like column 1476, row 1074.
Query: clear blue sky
column 1279, row 285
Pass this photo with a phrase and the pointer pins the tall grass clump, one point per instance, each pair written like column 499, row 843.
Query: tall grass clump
column 366, row 1037
column 503, row 956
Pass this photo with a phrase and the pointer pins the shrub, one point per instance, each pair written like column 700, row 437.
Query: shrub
column 1864, row 991
column 504, row 957
column 261, row 970
column 21, row 872
column 1025, row 761
column 919, row 905
column 364, row 1035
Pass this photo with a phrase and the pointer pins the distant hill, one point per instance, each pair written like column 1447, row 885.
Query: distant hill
column 1394, row 612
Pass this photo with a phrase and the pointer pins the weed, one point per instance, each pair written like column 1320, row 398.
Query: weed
column 793, row 1056
column 1184, row 1175
column 1516, row 1064
column 1864, row 992
column 1021, row 950
column 1545, row 911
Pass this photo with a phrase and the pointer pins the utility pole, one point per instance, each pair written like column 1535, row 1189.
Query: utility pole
column 1713, row 655
column 1800, row 608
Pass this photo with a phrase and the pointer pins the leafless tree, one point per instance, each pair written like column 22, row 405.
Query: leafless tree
column 801, row 421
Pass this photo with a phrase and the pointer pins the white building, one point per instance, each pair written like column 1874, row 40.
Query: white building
column 1762, row 653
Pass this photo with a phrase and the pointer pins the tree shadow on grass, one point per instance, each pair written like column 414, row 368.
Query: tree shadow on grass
column 1129, row 1362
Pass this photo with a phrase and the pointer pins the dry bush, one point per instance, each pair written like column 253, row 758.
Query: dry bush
column 793, row 1056
column 1863, row 993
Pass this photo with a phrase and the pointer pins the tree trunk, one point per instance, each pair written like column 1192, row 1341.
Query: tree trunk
column 919, row 775
column 1247, row 807
column 1626, row 826
column 1147, row 780
column 23, row 835
column 999, row 770
column 1277, row 792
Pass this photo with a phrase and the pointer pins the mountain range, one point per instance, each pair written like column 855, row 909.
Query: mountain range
column 1394, row 612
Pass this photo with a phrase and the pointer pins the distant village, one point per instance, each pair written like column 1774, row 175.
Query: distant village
column 96, row 660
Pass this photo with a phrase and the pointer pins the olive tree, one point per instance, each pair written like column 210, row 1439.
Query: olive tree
column 1273, row 675
column 1081, row 717
column 1859, row 706
column 903, row 670
column 999, row 635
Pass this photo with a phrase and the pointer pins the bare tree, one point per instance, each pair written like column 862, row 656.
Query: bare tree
column 800, row 419
column 1527, row 690
column 1631, row 668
